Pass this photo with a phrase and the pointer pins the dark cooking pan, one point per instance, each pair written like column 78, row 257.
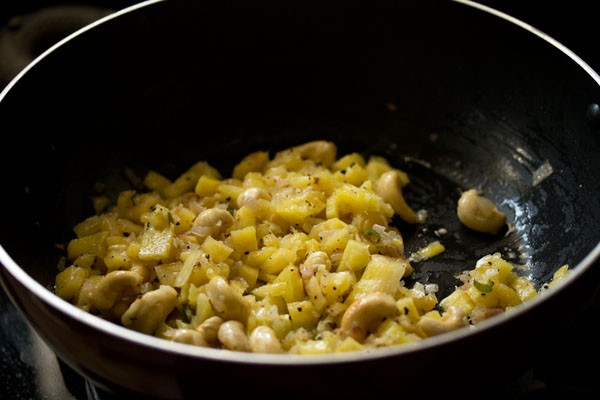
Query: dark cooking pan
column 457, row 96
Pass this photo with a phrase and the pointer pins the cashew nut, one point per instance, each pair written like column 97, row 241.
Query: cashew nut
column 210, row 329
column 313, row 262
column 189, row 336
column 479, row 213
column 320, row 151
column 233, row 336
column 212, row 222
column 264, row 340
column 114, row 287
column 250, row 197
column 452, row 319
column 366, row 313
column 227, row 302
column 389, row 187
column 149, row 311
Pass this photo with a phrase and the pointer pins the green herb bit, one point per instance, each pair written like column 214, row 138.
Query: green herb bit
column 373, row 235
column 231, row 210
column 188, row 313
column 483, row 287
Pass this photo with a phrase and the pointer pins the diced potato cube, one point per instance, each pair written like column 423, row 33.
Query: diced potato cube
column 275, row 289
column 128, row 227
column 382, row 274
column 559, row 274
column 69, row 281
column 493, row 268
column 207, row 186
column 248, row 274
column 244, row 240
column 347, row 161
column 93, row 244
column 294, row 287
column 349, row 199
column 132, row 205
column 290, row 160
column 356, row 256
column 334, row 241
column 282, row 325
column 324, row 182
column 507, row 297
column 349, row 344
column 85, row 261
column 406, row 306
column 157, row 182
column 159, row 217
column 353, row 174
column 488, row 299
column 116, row 240
column 116, row 257
column 245, row 216
column 212, row 269
column 295, row 208
column 230, row 192
column 216, row 249
column 335, row 285
column 301, row 181
column 253, row 162
column 297, row 241
column 88, row 226
column 389, row 333
column 278, row 260
column 183, row 219
column 204, row 309
column 257, row 257
column 133, row 250
column 167, row 273
column 253, row 180
column 303, row 314
column 327, row 225
column 426, row 302
column 108, row 223
column 525, row 288
column 156, row 244
column 313, row 347
column 201, row 271
column 187, row 181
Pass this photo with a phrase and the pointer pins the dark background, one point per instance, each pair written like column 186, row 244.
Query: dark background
column 573, row 23
column 569, row 370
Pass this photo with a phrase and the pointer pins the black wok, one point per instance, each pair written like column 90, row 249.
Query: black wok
column 456, row 96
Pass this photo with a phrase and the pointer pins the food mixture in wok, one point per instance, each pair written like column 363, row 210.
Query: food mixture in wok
column 294, row 253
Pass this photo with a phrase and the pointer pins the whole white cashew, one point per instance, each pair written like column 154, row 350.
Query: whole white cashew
column 264, row 340
column 149, row 311
column 366, row 313
column 233, row 336
column 227, row 302
column 389, row 187
column 479, row 213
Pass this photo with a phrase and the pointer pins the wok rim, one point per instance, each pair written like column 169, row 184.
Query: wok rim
column 183, row 350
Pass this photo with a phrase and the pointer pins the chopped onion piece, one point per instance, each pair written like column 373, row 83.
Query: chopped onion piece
column 544, row 171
